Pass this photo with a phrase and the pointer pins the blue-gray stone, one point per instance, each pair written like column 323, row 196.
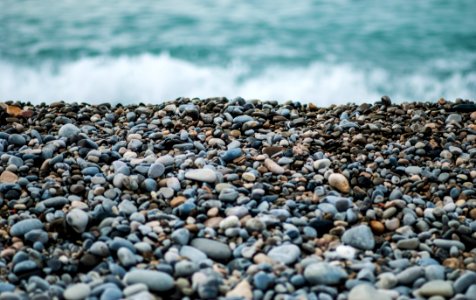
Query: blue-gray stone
column 213, row 249
column 324, row 273
column 156, row 170
column 68, row 131
column 263, row 281
column 91, row 171
column 16, row 139
column 25, row 226
column 37, row 235
column 181, row 236
column 57, row 202
column 287, row 254
column 6, row 287
column 193, row 254
column 24, row 266
column 149, row 185
column 111, row 294
column 360, row 237
column 464, row 281
column 156, row 281
column 231, row 154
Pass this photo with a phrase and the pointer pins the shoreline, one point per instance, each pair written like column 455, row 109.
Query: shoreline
column 259, row 200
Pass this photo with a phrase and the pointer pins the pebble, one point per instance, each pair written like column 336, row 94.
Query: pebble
column 77, row 291
column 213, row 249
column 156, row 281
column 273, row 167
column 366, row 291
column 156, row 170
column 324, row 273
column 204, row 175
column 78, row 219
column 24, row 226
column 435, row 288
column 322, row 164
column 287, row 254
column 339, row 182
column 68, row 131
column 242, row 290
column 360, row 237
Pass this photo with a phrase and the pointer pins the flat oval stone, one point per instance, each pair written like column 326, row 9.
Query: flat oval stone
column 287, row 254
column 156, row 170
column 25, row 226
column 77, row 292
column 213, row 249
column 204, row 175
column 324, row 273
column 155, row 280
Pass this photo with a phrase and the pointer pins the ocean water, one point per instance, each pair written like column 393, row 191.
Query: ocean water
column 322, row 51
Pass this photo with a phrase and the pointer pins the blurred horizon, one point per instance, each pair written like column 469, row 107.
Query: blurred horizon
column 151, row 51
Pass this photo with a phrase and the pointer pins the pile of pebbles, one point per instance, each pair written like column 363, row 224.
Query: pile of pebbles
column 235, row 199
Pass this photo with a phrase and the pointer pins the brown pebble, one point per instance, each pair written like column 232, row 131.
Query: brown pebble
column 472, row 213
column 177, row 201
column 377, row 227
column 339, row 182
column 8, row 177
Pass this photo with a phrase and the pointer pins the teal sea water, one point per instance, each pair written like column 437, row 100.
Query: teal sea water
column 323, row 51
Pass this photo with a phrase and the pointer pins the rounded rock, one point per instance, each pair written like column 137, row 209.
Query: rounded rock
column 339, row 182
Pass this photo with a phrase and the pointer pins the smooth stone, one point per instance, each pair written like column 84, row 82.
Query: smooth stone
column 155, row 280
column 360, row 237
column 213, row 249
column 99, row 248
column 17, row 139
column 25, row 266
column 322, row 164
column 156, row 170
column 231, row 154
column 366, row 291
column 436, row 288
column 8, row 177
column 409, row 275
column 204, row 175
column 193, row 254
column 408, row 244
column 339, row 182
column 111, row 294
column 324, row 273
column 78, row 219
column 37, row 235
column 262, row 281
column 77, row 291
column 181, row 236
column 185, row 268
column 273, row 167
column 413, row 170
column 435, row 272
column 287, row 254
column 126, row 257
column 68, row 131
column 242, row 290
column 24, row 226
column 464, row 281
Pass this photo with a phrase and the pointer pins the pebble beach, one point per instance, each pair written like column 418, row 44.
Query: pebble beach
column 231, row 199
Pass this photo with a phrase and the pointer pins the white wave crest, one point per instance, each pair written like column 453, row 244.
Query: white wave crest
column 152, row 79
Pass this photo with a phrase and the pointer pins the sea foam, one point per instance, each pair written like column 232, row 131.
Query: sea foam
column 154, row 78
